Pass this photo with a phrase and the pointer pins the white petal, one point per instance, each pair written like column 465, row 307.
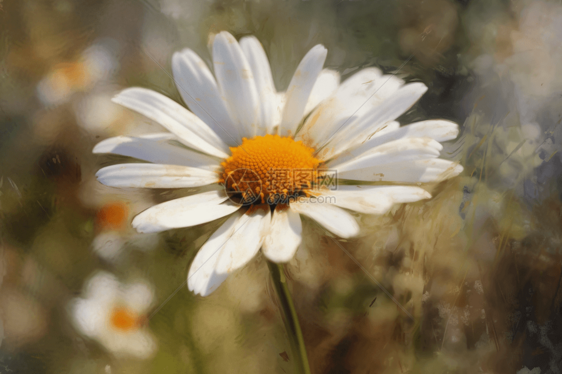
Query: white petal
column 392, row 152
column 404, row 194
column 139, row 343
column 199, row 91
column 102, row 286
column 202, row 278
column 363, row 203
column 300, row 88
column 360, row 150
column 398, row 194
column 280, row 100
column 363, row 127
column 334, row 219
column 108, row 244
column 326, row 84
column 155, row 176
column 89, row 316
column 184, row 212
column 375, row 199
column 378, row 91
column 90, row 313
column 284, row 235
column 138, row 297
column 157, row 150
column 259, row 64
column 353, row 98
column 236, row 84
column 189, row 129
column 245, row 241
column 424, row 171
column 439, row 130
column 388, row 127
column 158, row 136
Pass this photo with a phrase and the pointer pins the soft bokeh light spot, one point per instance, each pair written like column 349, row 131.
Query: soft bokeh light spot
column 113, row 216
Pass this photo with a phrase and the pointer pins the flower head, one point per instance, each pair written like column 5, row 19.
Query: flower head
column 113, row 230
column 114, row 315
column 274, row 156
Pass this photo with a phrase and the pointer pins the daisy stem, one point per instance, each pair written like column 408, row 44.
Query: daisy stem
column 289, row 317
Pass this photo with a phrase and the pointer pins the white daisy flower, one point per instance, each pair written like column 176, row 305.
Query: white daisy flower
column 95, row 64
column 114, row 314
column 113, row 228
column 240, row 127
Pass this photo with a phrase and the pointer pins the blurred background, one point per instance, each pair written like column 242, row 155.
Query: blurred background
column 478, row 267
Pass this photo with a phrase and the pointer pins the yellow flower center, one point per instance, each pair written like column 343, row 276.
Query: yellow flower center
column 266, row 168
column 123, row 319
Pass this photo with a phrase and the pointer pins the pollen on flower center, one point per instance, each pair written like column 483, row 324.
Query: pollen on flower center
column 269, row 166
column 123, row 319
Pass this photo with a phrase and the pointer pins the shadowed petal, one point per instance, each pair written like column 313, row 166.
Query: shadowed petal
column 184, row 212
column 284, row 235
column 334, row 219
column 189, row 129
column 300, row 88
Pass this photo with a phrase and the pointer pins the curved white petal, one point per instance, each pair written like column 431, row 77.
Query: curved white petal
column 363, row 127
column 138, row 297
column 158, row 136
column 184, row 212
column 388, row 127
column 103, row 286
column 424, row 171
column 300, row 88
column 284, row 235
column 375, row 199
column 138, row 342
column 398, row 194
column 156, row 149
column 202, row 278
column 280, row 99
column 155, row 176
column 334, row 219
column 189, row 129
column 353, row 98
column 259, row 64
column 439, row 130
column 89, row 316
column 362, row 203
column 326, row 84
column 392, row 152
column 199, row 91
column 236, row 83
column 246, row 239
column 405, row 194
column 108, row 244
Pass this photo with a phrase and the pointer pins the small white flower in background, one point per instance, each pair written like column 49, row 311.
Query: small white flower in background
column 114, row 235
column 96, row 114
column 114, row 314
column 114, row 230
column 99, row 116
column 96, row 63
column 240, row 127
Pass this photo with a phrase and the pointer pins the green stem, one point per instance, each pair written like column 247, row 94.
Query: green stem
column 289, row 317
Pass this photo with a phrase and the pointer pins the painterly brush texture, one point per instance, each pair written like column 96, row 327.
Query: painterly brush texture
column 465, row 282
